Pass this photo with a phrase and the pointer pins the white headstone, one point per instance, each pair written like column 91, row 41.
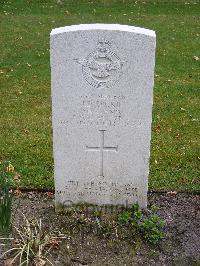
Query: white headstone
column 102, row 93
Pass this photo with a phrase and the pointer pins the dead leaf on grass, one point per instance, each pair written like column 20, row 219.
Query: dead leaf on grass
column 17, row 176
column 10, row 168
column 195, row 181
column 183, row 181
column 157, row 128
column 196, row 58
column 26, row 131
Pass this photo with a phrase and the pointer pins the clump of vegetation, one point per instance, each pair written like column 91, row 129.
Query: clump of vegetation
column 32, row 244
column 149, row 225
column 130, row 224
column 5, row 196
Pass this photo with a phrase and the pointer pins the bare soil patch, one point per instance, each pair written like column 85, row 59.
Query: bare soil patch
column 83, row 246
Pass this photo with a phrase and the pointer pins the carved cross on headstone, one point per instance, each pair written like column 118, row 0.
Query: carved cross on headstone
column 101, row 148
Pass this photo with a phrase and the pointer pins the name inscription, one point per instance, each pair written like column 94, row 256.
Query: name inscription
column 101, row 111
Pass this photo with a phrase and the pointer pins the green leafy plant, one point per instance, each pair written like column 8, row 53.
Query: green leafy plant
column 5, row 196
column 149, row 225
column 152, row 228
column 125, row 217
column 32, row 245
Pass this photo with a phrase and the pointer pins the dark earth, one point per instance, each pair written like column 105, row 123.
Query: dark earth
column 83, row 245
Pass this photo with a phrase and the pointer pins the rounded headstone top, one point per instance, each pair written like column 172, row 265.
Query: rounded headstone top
column 114, row 27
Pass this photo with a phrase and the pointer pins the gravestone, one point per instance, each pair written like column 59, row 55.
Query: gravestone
column 102, row 91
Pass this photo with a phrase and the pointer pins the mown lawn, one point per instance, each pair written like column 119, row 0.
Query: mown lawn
column 25, row 101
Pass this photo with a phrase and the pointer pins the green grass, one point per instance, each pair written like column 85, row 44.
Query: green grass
column 5, row 198
column 25, row 117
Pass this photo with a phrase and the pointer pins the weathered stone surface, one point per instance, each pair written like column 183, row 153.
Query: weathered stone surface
column 102, row 93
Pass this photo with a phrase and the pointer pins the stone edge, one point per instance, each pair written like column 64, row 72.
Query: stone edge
column 114, row 27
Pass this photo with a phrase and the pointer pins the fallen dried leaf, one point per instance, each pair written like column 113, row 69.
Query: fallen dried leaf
column 157, row 128
column 16, row 177
column 54, row 243
column 172, row 192
column 50, row 195
column 195, row 181
column 17, row 192
column 196, row 58
column 10, row 168
column 26, row 131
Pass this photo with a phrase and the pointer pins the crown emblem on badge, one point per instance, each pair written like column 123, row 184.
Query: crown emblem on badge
column 102, row 67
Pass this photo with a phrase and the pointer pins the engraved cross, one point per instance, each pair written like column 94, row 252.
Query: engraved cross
column 101, row 148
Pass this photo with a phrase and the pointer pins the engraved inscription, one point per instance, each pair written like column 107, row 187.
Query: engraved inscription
column 101, row 110
column 101, row 148
column 100, row 188
column 102, row 67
